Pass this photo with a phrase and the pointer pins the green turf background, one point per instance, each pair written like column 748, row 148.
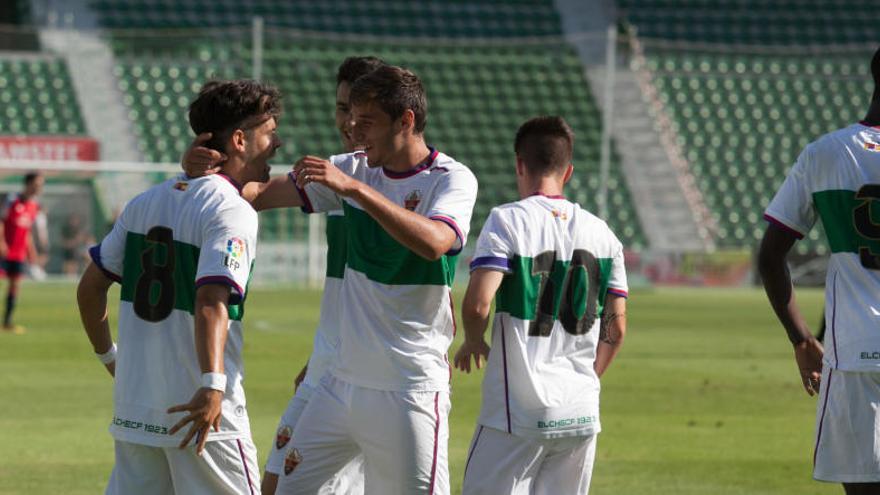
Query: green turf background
column 704, row 398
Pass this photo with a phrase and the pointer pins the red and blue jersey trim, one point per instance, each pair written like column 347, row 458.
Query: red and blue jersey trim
column 95, row 254
column 496, row 262
column 307, row 205
column 238, row 293
column 548, row 196
column 618, row 292
column 778, row 224
column 426, row 164
column 232, row 181
column 458, row 234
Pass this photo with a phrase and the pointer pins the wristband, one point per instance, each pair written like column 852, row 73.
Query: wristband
column 216, row 381
column 109, row 356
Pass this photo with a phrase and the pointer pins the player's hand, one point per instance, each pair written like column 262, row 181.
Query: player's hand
column 205, row 411
column 300, row 377
column 310, row 169
column 477, row 350
column 111, row 368
column 199, row 161
column 808, row 355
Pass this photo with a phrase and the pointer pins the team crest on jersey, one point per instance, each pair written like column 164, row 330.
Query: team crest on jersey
column 559, row 214
column 872, row 147
column 181, row 186
column 292, row 460
column 234, row 252
column 412, row 200
column 283, row 436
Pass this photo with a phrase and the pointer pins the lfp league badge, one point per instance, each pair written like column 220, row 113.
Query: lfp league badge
column 234, row 253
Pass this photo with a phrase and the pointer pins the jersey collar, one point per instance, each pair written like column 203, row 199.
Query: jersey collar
column 548, row 196
column 425, row 164
column 232, row 181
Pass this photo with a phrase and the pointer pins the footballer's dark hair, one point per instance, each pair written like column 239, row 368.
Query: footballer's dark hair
column 30, row 177
column 875, row 73
column 354, row 67
column 545, row 144
column 395, row 90
column 224, row 106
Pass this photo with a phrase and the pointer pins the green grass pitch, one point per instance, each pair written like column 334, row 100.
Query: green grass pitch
column 704, row 398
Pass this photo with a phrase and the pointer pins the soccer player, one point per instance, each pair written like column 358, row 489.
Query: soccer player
column 198, row 161
column 556, row 273
column 183, row 252
column 407, row 210
column 350, row 480
column 836, row 178
column 17, row 241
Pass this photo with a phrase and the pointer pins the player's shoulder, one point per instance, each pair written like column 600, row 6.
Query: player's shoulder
column 831, row 143
column 452, row 171
column 444, row 163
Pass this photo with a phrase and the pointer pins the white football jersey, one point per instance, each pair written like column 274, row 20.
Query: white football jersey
column 396, row 307
column 326, row 338
column 168, row 241
column 837, row 178
column 323, row 354
column 559, row 261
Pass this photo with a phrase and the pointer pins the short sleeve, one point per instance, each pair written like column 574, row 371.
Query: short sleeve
column 228, row 250
column 792, row 207
column 318, row 197
column 617, row 284
column 110, row 253
column 453, row 203
column 495, row 248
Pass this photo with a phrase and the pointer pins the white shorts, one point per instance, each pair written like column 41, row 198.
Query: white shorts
column 402, row 435
column 848, row 427
column 225, row 467
column 348, row 481
column 499, row 462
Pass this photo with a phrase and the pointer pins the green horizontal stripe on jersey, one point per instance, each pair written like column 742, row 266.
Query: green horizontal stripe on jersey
column 518, row 294
column 376, row 254
column 336, row 245
column 837, row 208
column 182, row 278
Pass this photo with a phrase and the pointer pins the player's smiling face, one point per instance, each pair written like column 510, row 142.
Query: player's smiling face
column 375, row 132
column 343, row 116
column 261, row 146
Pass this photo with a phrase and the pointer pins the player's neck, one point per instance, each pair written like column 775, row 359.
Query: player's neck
column 873, row 117
column 234, row 169
column 543, row 186
column 414, row 152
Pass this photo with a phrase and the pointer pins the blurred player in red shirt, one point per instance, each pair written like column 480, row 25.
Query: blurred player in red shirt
column 16, row 241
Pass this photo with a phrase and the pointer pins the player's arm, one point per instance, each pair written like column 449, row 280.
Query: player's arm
column 211, row 324
column 772, row 265
column 612, row 330
column 475, row 309
column 428, row 238
column 91, row 297
column 278, row 192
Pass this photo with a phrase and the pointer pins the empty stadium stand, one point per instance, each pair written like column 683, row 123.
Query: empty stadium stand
column 745, row 95
column 36, row 97
column 479, row 93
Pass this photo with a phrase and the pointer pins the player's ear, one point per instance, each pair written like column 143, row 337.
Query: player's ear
column 238, row 140
column 569, row 170
column 520, row 166
column 408, row 120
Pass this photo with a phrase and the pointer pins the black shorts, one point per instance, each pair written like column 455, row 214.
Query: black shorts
column 13, row 268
